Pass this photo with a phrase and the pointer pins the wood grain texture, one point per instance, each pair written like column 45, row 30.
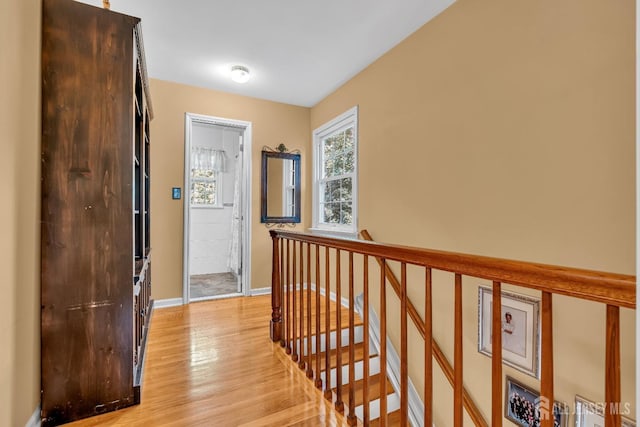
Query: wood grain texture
column 294, row 313
column 287, row 291
column 275, row 331
column 404, row 349
column 365, row 340
column 327, row 314
column 383, row 341
column 201, row 357
column 612, row 395
column 351, row 418
column 546, row 359
column 457, row 354
column 318, row 381
column 428, row 349
column 339, row 404
column 309, row 318
column 608, row 288
column 496, row 357
column 86, row 248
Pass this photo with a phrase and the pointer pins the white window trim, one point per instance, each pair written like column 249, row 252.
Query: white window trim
column 347, row 119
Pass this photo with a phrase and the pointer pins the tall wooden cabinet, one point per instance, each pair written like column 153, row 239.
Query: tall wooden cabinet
column 96, row 276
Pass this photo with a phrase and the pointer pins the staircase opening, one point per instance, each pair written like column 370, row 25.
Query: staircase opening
column 335, row 300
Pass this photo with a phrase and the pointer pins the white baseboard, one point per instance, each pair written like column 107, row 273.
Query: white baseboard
column 169, row 302
column 34, row 421
column 332, row 296
column 260, row 291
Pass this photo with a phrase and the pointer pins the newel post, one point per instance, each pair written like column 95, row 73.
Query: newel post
column 276, row 309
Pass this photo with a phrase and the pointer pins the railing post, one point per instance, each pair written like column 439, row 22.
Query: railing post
column 546, row 354
column 612, row 368
column 276, row 305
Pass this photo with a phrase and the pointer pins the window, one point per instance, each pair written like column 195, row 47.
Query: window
column 206, row 185
column 335, row 173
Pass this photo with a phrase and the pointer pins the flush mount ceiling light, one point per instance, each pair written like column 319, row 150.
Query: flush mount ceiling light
column 240, row 74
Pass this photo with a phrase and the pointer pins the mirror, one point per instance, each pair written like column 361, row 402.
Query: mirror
column 280, row 187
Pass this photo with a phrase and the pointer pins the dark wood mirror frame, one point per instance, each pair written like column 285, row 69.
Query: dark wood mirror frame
column 264, row 217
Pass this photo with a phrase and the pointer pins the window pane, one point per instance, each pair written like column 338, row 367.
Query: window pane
column 349, row 164
column 328, row 147
column 346, row 216
column 331, row 213
column 338, row 165
column 203, row 193
column 202, row 173
column 328, row 167
column 329, row 189
column 348, row 139
column 346, row 189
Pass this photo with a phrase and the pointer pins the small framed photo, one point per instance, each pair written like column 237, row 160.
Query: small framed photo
column 520, row 329
column 525, row 408
column 591, row 414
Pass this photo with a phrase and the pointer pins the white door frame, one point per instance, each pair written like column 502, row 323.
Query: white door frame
column 189, row 120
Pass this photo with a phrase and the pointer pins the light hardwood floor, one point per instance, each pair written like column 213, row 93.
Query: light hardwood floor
column 212, row 364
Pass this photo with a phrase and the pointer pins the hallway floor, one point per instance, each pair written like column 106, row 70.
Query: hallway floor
column 212, row 364
column 210, row 285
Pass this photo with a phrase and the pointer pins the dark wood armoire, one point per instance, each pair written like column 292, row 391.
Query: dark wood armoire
column 96, row 277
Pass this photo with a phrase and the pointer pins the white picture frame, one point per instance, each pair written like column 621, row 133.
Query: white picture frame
column 590, row 414
column 521, row 329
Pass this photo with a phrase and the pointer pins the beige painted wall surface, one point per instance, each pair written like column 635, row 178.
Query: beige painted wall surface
column 272, row 124
column 506, row 128
column 20, row 215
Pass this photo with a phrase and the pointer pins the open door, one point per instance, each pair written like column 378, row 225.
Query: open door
column 216, row 193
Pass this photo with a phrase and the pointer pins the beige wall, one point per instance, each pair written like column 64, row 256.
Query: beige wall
column 506, row 128
column 20, row 214
column 274, row 186
column 502, row 128
column 272, row 124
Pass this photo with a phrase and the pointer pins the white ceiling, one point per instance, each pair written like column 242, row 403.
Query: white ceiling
column 298, row 51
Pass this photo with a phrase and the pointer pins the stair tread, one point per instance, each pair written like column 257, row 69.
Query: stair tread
column 333, row 356
column 393, row 419
column 344, row 312
column 374, row 390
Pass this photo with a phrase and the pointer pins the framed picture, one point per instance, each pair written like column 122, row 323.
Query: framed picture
column 520, row 329
column 591, row 414
column 524, row 407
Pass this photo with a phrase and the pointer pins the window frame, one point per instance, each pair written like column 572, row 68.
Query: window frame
column 217, row 179
column 348, row 119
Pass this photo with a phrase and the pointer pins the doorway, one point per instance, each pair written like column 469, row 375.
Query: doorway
column 217, row 180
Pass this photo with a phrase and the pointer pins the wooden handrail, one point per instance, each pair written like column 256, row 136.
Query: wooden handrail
column 607, row 288
column 614, row 290
column 447, row 369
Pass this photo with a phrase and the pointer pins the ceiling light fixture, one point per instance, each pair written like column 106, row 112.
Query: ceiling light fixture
column 240, row 74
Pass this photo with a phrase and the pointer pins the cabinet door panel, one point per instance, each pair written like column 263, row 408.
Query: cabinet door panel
column 87, row 267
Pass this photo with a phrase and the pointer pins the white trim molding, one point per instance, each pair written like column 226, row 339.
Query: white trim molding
column 169, row 302
column 346, row 120
column 34, row 421
column 245, row 148
column 260, row 291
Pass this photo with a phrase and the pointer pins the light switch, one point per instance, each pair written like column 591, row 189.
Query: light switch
column 176, row 193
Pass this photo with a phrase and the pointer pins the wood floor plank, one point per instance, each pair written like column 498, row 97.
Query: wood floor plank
column 211, row 363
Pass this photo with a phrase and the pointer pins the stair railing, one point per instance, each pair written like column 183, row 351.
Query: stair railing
column 288, row 285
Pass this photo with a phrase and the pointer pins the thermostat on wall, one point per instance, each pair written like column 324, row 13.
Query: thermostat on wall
column 176, row 193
